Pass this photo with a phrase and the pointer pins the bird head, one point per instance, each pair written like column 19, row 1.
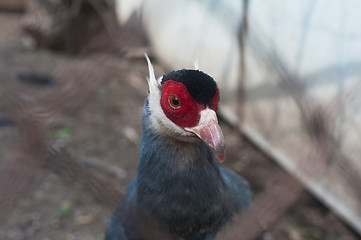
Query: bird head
column 183, row 106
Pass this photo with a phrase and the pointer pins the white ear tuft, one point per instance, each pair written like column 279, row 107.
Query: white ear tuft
column 196, row 62
column 152, row 81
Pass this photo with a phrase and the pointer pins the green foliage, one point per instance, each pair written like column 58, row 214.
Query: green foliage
column 63, row 133
column 63, row 210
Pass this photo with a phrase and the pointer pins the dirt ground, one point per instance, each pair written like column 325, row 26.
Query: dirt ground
column 103, row 130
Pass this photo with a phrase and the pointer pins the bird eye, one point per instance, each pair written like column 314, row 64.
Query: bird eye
column 173, row 102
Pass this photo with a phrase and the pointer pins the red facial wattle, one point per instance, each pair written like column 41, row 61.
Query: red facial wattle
column 183, row 110
column 215, row 100
column 184, row 115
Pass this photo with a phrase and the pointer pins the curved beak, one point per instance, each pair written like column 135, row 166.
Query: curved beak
column 209, row 131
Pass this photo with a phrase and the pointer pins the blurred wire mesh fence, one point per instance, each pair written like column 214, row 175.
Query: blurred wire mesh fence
column 305, row 120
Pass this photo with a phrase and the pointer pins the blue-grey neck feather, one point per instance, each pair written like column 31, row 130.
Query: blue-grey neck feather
column 179, row 183
column 180, row 191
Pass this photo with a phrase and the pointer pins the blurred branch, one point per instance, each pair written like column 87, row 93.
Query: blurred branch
column 266, row 210
column 31, row 117
column 25, row 162
column 69, row 169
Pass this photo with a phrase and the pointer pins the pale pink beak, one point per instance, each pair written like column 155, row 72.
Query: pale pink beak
column 209, row 131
